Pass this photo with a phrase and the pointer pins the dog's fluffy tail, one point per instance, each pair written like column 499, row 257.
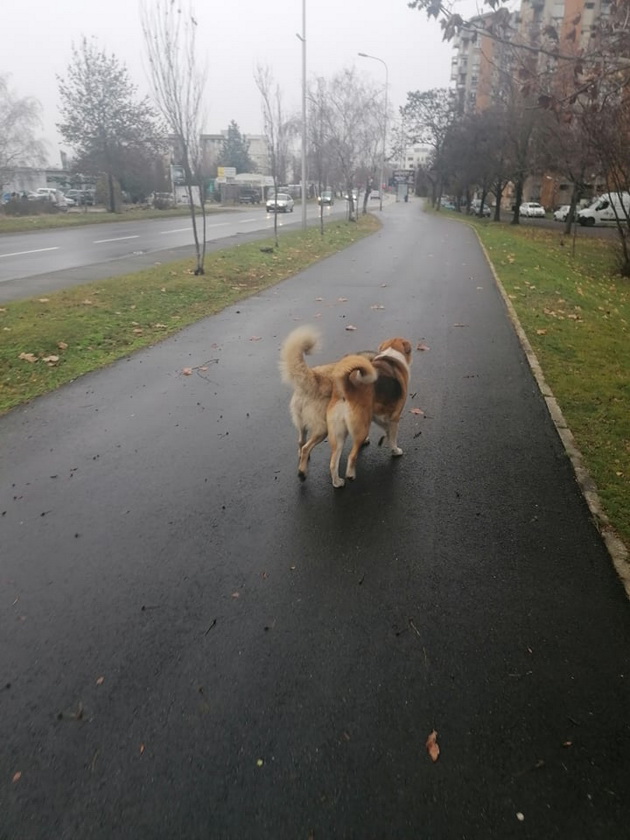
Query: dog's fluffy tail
column 354, row 372
column 293, row 367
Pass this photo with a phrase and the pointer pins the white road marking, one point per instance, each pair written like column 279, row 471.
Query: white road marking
column 116, row 239
column 36, row 251
column 178, row 230
column 219, row 224
column 242, row 221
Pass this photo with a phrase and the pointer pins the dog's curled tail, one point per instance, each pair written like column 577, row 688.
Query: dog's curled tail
column 353, row 372
column 300, row 342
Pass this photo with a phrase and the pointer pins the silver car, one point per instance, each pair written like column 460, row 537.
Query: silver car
column 280, row 203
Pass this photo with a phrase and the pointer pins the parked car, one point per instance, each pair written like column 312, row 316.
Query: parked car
column 248, row 196
column 83, row 197
column 475, row 209
column 326, row 198
column 607, row 207
column 280, row 203
column 532, row 209
column 560, row 215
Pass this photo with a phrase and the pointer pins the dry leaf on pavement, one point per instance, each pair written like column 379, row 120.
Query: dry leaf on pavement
column 350, row 327
column 422, row 346
column 187, row 371
column 417, row 411
column 432, row 746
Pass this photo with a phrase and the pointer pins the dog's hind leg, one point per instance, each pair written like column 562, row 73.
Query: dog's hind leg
column 391, row 436
column 305, row 453
column 359, row 431
column 337, row 433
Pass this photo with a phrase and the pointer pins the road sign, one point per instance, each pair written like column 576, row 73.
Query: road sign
column 403, row 176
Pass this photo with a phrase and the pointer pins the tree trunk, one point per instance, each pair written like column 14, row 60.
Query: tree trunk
column 518, row 198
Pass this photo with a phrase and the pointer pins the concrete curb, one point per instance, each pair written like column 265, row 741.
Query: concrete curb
column 616, row 548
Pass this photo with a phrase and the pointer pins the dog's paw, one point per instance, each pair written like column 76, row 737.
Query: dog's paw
column 380, row 443
column 338, row 482
column 301, row 475
column 396, row 452
column 366, row 442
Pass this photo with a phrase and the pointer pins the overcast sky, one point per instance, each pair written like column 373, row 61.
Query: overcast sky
column 234, row 36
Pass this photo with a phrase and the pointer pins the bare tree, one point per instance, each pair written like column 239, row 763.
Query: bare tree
column 428, row 118
column 20, row 121
column 353, row 126
column 279, row 129
column 179, row 81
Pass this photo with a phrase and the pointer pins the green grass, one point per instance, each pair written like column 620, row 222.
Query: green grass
column 576, row 314
column 68, row 333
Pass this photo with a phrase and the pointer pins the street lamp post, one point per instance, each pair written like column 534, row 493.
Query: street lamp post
column 380, row 188
column 302, row 38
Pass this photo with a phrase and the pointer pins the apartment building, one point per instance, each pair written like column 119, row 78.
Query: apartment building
column 480, row 61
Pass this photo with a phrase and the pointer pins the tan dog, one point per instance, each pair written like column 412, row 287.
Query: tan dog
column 364, row 391
column 312, row 390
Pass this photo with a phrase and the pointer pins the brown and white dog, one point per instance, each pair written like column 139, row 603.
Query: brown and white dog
column 312, row 390
column 366, row 390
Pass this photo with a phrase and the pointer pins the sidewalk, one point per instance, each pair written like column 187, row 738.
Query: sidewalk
column 198, row 645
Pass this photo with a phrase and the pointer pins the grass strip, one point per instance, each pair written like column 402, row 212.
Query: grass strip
column 576, row 314
column 53, row 339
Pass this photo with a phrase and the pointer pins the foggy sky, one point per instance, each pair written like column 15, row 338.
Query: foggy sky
column 234, row 36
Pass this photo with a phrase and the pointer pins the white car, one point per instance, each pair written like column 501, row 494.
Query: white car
column 560, row 215
column 532, row 208
column 280, row 203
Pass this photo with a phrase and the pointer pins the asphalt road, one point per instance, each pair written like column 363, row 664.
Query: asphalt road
column 39, row 261
column 194, row 644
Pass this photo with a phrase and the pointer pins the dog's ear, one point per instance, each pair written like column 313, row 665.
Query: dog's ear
column 406, row 347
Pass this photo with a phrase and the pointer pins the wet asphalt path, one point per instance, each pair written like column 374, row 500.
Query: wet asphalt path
column 195, row 645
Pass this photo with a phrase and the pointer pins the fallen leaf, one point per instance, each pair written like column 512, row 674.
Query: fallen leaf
column 319, row 299
column 62, row 345
column 422, row 346
column 2, row 309
column 141, row 748
column 432, row 746
column 100, row 681
column 256, row 338
column 259, row 762
column 541, row 332
column 417, row 411
column 520, row 816
column 160, row 326
column 236, row 594
column 342, row 300
column 460, row 325
column 17, row 776
column 187, row 371
column 138, row 332
column 28, row 357
column 203, row 368
column 350, row 327
column 43, row 300
column 50, row 360
column 87, row 302
column 377, row 306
